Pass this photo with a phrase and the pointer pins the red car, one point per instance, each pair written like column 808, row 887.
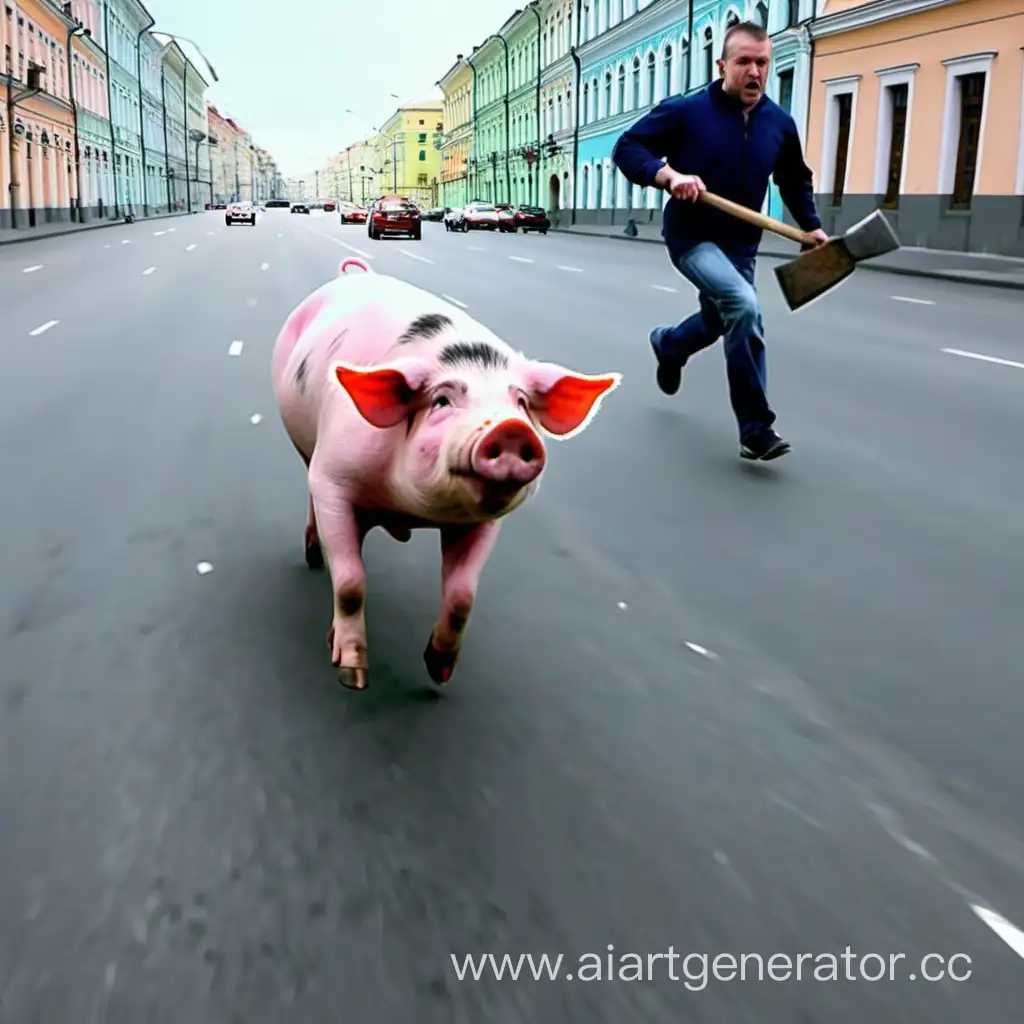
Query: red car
column 353, row 215
column 329, row 207
column 393, row 215
column 531, row 218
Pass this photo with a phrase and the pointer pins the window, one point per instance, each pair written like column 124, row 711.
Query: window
column 761, row 15
column 423, row 154
column 667, row 72
column 972, row 96
column 607, row 93
column 652, row 86
column 423, row 137
column 421, row 180
column 844, row 102
column 636, row 81
column 793, row 13
column 586, row 102
column 897, row 95
column 709, row 56
column 622, row 91
column 732, row 19
column 786, row 89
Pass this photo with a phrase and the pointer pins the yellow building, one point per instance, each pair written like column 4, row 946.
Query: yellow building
column 408, row 152
column 457, row 86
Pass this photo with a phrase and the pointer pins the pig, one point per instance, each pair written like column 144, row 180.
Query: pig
column 408, row 413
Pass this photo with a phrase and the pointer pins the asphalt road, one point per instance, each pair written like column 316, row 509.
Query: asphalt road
column 703, row 706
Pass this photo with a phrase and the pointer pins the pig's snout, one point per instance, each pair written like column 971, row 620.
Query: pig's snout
column 509, row 453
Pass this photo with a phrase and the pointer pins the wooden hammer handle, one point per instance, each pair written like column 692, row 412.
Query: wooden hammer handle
column 753, row 217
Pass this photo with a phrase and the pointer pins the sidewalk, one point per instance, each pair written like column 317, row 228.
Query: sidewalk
column 964, row 267
column 10, row 236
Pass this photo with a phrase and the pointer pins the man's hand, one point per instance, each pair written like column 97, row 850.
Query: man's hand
column 682, row 186
column 816, row 238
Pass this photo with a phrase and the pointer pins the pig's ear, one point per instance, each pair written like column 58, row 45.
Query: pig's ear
column 384, row 395
column 563, row 401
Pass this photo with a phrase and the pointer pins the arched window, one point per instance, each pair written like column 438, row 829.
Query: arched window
column 666, row 80
column 709, row 54
column 732, row 19
column 607, row 93
column 586, row 103
column 559, row 115
column 761, row 15
column 636, row 82
column 621, row 90
column 651, row 79
column 584, row 199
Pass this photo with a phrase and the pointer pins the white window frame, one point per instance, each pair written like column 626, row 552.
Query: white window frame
column 955, row 68
column 835, row 87
column 904, row 74
column 1020, row 150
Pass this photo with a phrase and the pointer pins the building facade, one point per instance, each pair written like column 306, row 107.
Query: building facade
column 457, row 143
column 37, row 135
column 408, row 151
column 917, row 107
column 559, row 107
column 490, row 176
column 523, row 35
column 153, row 157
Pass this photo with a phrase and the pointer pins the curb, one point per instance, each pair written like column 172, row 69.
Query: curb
column 957, row 276
column 32, row 236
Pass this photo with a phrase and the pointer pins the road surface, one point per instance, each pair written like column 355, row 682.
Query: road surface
column 704, row 707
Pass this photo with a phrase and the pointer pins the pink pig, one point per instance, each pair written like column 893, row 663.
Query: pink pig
column 409, row 413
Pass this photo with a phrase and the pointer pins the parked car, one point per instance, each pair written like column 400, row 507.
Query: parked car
column 532, row 218
column 435, row 214
column 300, row 208
column 244, row 212
column 506, row 217
column 329, row 207
column 394, row 215
column 480, row 217
column 278, row 202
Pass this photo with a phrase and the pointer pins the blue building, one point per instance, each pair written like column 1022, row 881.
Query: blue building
column 633, row 54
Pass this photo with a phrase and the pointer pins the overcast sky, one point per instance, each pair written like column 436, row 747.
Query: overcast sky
column 288, row 70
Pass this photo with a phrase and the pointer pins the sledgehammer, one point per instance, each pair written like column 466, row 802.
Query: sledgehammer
column 814, row 272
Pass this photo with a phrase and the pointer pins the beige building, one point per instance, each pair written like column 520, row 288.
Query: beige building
column 352, row 175
column 917, row 106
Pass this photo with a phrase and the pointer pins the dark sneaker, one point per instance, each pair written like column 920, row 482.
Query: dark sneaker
column 764, row 446
column 669, row 375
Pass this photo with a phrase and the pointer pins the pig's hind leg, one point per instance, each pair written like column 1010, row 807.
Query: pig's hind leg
column 341, row 536
column 314, row 553
column 464, row 552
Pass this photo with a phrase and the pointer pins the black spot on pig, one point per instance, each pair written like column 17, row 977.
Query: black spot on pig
column 430, row 325
column 473, row 353
column 300, row 374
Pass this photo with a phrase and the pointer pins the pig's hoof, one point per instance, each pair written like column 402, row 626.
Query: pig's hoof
column 314, row 556
column 440, row 664
column 353, row 678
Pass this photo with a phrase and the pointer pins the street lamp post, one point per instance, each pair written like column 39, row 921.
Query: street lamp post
column 34, row 88
column 76, row 29
column 532, row 7
column 142, row 113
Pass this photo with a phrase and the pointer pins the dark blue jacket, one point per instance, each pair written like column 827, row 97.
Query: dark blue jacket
column 705, row 134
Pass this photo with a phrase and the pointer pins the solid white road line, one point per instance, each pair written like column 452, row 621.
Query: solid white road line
column 44, row 327
column 264, row 266
column 148, row 271
column 189, row 248
column 415, row 256
column 663, row 288
column 571, row 270
column 984, row 359
column 907, row 298
column 236, row 348
column 1010, row 934
column 520, row 259
column 454, row 302
column 32, row 270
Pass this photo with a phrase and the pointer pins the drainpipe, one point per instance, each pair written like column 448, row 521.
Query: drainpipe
column 72, row 32
column 472, row 154
column 532, row 7
column 167, row 151
column 110, row 106
column 142, row 112
column 574, row 50
column 184, row 114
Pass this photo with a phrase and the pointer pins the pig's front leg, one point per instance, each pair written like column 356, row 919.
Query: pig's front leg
column 341, row 538
column 314, row 556
column 464, row 552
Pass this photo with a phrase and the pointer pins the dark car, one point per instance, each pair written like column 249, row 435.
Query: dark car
column 300, row 208
column 531, row 218
column 394, row 215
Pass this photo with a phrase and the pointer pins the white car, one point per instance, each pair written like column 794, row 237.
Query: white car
column 240, row 211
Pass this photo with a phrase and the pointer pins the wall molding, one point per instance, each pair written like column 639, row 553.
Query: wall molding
column 871, row 14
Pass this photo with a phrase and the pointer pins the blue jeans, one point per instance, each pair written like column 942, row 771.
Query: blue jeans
column 729, row 307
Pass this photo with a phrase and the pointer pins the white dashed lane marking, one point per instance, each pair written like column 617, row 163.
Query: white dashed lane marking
column 520, row 259
column 1009, row 933
column 984, row 359
column 148, row 271
column 255, row 419
column 156, row 233
column 203, row 568
column 236, row 348
column 32, row 270
column 453, row 301
column 264, row 266
column 44, row 327
column 908, row 298
column 662, row 288
column 126, row 241
column 189, row 248
column 415, row 256
column 571, row 270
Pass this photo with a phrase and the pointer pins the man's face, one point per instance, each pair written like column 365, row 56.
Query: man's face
column 745, row 70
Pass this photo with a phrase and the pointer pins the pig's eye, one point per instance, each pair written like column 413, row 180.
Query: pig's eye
column 441, row 401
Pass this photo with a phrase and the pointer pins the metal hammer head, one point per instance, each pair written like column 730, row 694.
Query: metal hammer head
column 873, row 236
